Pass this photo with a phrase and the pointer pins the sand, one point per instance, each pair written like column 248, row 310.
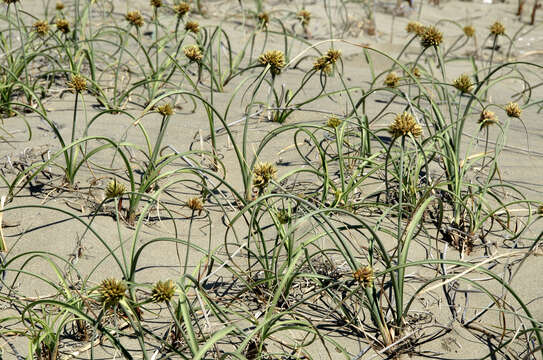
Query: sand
column 44, row 224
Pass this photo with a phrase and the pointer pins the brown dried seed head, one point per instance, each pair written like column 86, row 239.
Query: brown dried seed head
column 195, row 204
column 156, row 3
column 263, row 173
column 415, row 27
column 114, row 189
column 487, row 118
column 193, row 53
column 192, row 26
column 163, row 291
column 181, row 9
column 513, row 110
column 364, row 276
column 165, row 110
column 431, row 37
column 274, row 58
column 10, row 1
column 333, row 122
column 497, row 29
column 59, row 5
column 41, row 27
column 463, row 83
column 304, row 16
column 78, row 83
column 263, row 19
column 392, row 80
column 416, row 72
column 134, row 18
column 403, row 125
column 63, row 26
column 111, row 292
column 469, row 31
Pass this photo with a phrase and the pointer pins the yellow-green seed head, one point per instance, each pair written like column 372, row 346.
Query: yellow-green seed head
column 63, row 26
column 41, row 27
column 404, row 124
column 333, row 55
column 322, row 64
column 134, row 18
column 181, row 9
column 469, row 31
column 497, row 29
column 263, row 19
column 165, row 110
column 193, row 53
column 77, row 83
column 304, row 16
column 415, row 27
column 112, row 291
column 463, row 83
column 364, row 276
column 156, row 3
column 192, row 26
column 487, row 118
column 114, row 189
column 263, row 173
column 431, row 37
column 275, row 59
column 333, row 122
column 163, row 291
column 513, row 110
column 195, row 204
column 392, row 80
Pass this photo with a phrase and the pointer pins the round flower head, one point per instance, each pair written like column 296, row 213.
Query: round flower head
column 192, row 26
column 195, row 204
column 487, row 118
column 263, row 19
column 263, row 173
column 497, row 29
column 415, row 27
column 163, row 291
column 78, row 83
column 416, row 72
column 364, row 276
column 165, row 110
column 275, row 59
column 63, row 26
column 114, row 189
column 392, row 80
column 59, row 6
column 463, row 83
column 513, row 110
column 333, row 55
column 469, row 31
column 156, row 3
column 111, row 292
column 181, row 9
column 403, row 125
column 134, row 18
column 333, row 122
column 193, row 53
column 41, row 27
column 431, row 37
column 304, row 16
column 322, row 64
